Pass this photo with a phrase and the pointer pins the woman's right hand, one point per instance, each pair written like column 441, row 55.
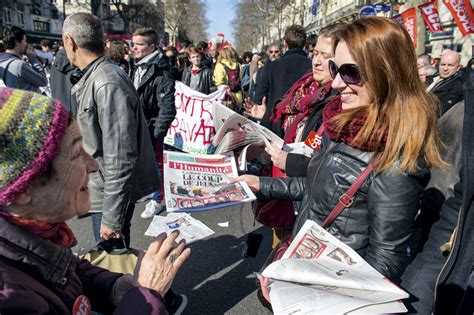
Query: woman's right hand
column 161, row 262
column 251, row 180
column 255, row 110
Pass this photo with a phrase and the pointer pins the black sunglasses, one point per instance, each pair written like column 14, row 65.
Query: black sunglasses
column 349, row 72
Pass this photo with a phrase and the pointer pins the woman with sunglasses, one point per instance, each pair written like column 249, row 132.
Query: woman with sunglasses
column 383, row 117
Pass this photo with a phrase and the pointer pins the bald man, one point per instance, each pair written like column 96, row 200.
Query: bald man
column 448, row 86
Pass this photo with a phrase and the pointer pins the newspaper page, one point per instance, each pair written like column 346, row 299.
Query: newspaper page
column 190, row 229
column 319, row 273
column 234, row 130
column 202, row 182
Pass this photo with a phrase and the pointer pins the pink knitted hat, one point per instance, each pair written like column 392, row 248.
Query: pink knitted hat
column 31, row 129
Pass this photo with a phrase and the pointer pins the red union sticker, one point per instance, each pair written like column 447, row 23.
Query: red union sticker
column 314, row 140
column 82, row 306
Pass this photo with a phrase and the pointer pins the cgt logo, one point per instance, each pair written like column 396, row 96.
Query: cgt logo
column 82, row 306
column 462, row 13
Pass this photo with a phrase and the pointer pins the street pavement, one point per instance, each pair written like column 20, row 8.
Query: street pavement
column 216, row 278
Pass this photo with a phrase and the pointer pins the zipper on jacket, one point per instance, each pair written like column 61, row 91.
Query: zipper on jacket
column 323, row 158
column 447, row 260
column 340, row 161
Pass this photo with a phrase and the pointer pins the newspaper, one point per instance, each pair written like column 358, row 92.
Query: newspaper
column 320, row 274
column 234, row 131
column 190, row 229
column 202, row 182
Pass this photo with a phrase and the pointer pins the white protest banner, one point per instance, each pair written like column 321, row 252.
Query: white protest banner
column 193, row 126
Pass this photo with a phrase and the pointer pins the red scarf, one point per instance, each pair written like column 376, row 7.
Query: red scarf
column 298, row 99
column 348, row 132
column 58, row 233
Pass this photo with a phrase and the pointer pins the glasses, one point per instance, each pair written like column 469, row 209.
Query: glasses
column 349, row 72
column 274, row 51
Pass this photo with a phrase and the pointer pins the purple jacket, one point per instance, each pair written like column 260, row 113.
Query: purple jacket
column 39, row 277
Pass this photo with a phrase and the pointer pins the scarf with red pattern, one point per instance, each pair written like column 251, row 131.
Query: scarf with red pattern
column 58, row 233
column 348, row 132
column 297, row 104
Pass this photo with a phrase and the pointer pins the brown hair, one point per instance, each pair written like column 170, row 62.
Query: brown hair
column 149, row 33
column 191, row 50
column 295, row 36
column 402, row 109
column 116, row 51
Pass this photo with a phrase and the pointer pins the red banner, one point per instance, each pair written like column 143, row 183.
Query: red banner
column 463, row 16
column 408, row 19
column 431, row 17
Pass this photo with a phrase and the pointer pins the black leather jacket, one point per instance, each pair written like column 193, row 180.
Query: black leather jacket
column 156, row 92
column 206, row 84
column 379, row 223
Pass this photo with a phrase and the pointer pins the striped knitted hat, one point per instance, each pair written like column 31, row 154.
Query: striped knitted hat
column 31, row 129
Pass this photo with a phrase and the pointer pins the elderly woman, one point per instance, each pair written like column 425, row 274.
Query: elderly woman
column 44, row 173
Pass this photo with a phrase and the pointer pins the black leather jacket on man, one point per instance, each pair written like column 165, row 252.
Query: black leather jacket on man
column 379, row 223
column 156, row 92
column 206, row 84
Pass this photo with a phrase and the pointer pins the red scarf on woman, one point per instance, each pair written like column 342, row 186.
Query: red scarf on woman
column 58, row 233
column 297, row 104
column 298, row 99
column 349, row 131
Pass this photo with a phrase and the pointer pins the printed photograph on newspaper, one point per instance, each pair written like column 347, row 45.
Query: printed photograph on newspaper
column 319, row 273
column 202, row 182
column 190, row 229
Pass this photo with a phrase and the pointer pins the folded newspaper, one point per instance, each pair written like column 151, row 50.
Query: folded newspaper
column 190, row 229
column 202, row 182
column 235, row 131
column 320, row 274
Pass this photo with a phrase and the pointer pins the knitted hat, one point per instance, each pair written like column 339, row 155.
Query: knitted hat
column 31, row 129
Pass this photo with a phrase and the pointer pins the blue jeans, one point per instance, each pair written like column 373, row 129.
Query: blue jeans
column 158, row 151
column 96, row 219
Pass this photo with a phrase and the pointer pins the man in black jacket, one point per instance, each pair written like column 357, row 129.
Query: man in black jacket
column 448, row 87
column 279, row 75
column 441, row 279
column 155, row 87
column 63, row 76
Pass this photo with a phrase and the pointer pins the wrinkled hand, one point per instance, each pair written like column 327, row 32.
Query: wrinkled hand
column 255, row 110
column 251, row 180
column 278, row 156
column 107, row 233
column 157, row 270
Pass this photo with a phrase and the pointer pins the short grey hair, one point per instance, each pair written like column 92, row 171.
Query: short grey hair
column 86, row 30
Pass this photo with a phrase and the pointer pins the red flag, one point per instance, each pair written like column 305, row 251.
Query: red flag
column 408, row 19
column 431, row 17
column 463, row 16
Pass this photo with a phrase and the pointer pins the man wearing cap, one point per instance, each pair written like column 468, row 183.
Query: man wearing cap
column 114, row 131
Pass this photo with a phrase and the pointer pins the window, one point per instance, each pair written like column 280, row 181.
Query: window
column 7, row 16
column 41, row 26
column 21, row 18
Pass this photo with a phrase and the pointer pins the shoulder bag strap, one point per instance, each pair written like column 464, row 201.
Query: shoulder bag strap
column 346, row 199
column 4, row 77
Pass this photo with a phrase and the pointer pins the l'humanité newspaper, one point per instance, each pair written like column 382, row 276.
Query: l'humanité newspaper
column 202, row 182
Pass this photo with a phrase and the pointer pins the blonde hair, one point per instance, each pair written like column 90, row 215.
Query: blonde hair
column 402, row 109
column 227, row 54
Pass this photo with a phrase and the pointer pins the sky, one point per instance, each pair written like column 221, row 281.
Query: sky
column 220, row 14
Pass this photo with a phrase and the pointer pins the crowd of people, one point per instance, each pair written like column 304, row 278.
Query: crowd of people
column 82, row 128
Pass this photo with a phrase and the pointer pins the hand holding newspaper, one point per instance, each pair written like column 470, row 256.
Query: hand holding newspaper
column 202, row 182
column 320, row 274
column 234, row 130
